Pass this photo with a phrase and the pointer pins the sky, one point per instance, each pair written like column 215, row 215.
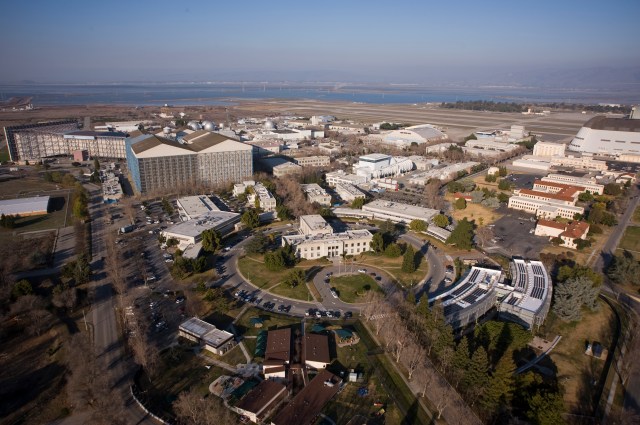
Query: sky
column 422, row 42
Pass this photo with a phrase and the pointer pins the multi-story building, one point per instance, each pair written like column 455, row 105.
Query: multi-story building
column 266, row 200
column 317, row 240
column 570, row 233
column 340, row 177
column 33, row 142
column 349, row 192
column 545, row 207
column 419, row 134
column 159, row 164
column 316, row 194
column 286, row 169
column 588, row 183
column 313, row 161
column 580, row 162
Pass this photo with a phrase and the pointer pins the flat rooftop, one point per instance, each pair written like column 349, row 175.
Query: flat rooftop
column 343, row 236
column 316, row 348
column 210, row 220
column 374, row 157
column 195, row 206
column 278, row 345
column 399, row 208
column 261, row 397
column 314, row 221
column 33, row 205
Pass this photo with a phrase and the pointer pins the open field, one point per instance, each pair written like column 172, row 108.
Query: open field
column 252, row 267
column 393, row 266
column 636, row 216
column 575, row 370
column 232, row 357
column 476, row 212
column 353, row 288
column 298, row 292
column 631, row 240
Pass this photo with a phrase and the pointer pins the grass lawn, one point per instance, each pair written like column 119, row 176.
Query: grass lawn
column 352, row 288
column 250, row 345
column 232, row 357
column 4, row 153
column 394, row 267
column 475, row 212
column 179, row 370
column 299, row 292
column 636, row 215
column 575, row 370
column 270, row 321
column 252, row 267
column 631, row 239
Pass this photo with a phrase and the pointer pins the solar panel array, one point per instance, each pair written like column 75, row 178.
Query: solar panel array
column 473, row 297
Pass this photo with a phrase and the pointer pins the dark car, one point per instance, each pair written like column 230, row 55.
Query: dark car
column 348, row 314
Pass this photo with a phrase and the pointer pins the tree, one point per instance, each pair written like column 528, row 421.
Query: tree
column 461, row 359
column 612, row 189
column 491, row 178
column 462, row 235
column 477, row 196
column 393, row 250
column 492, row 202
column 455, row 186
column 476, row 379
column 357, row 203
column 504, row 184
column 503, row 197
column 20, row 288
column 193, row 409
column 502, row 171
column 211, row 240
column 585, row 197
column 295, row 277
column 441, row 220
column 250, row 218
column 198, row 265
column 257, row 244
column 546, row 409
column 484, row 234
column 8, row 221
column 501, row 384
column 460, row 204
column 569, row 297
column 418, row 225
column 624, row 269
column 377, row 243
column 409, row 260
column 283, row 212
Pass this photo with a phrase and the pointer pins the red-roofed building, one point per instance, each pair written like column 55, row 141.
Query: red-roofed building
column 459, row 195
column 568, row 232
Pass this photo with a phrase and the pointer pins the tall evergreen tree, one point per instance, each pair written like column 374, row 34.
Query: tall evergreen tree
column 409, row 260
column 476, row 379
column 501, row 385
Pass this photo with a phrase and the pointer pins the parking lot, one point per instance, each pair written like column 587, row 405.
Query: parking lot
column 514, row 234
column 522, row 181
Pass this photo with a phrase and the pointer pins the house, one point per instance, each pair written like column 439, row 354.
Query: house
column 262, row 400
column 277, row 354
column 316, row 351
column 568, row 232
column 459, row 195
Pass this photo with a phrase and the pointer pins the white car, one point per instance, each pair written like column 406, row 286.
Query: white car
column 169, row 260
column 329, row 314
column 362, row 270
column 333, row 294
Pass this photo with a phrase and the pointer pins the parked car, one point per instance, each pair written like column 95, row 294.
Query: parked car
column 180, row 299
column 334, row 294
column 362, row 270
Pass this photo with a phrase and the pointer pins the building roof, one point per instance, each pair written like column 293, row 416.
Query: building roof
column 148, row 141
column 210, row 220
column 205, row 331
column 195, row 206
column 397, row 208
column 278, row 345
column 315, row 222
column 575, row 229
column 18, row 206
column 89, row 133
column 261, row 397
column 375, row 157
column 426, row 131
column 554, row 196
column 552, row 224
column 316, row 348
column 613, row 124
column 308, row 403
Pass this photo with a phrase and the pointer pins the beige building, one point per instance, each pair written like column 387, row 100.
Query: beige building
column 570, row 233
column 265, row 198
column 579, row 162
column 349, row 192
column 588, row 183
column 317, row 240
column 286, row 168
column 313, row 161
column 316, row 194
column 544, row 207
column 548, row 149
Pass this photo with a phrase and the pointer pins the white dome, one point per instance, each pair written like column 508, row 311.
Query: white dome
column 209, row 125
column 269, row 125
column 166, row 130
column 194, row 125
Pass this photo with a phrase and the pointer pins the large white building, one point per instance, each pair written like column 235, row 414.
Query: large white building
column 378, row 165
column 544, row 208
column 189, row 233
column 317, row 240
column 397, row 212
column 37, row 205
column 316, row 194
column 608, row 136
column 589, row 183
column 419, row 134
column 191, row 207
column 340, row 177
column 444, row 173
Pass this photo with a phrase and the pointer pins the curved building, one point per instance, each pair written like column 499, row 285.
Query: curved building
column 420, row 134
column 608, row 136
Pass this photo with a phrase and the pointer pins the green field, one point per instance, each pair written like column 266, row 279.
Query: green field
column 255, row 271
column 394, row 267
column 636, row 215
column 299, row 292
column 352, row 288
column 631, row 239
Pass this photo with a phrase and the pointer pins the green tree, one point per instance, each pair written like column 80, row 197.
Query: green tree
column 441, row 220
column 585, row 197
column 455, row 186
column 211, row 240
column 358, row 203
column 569, row 297
column 387, row 227
column 393, row 250
column 377, row 243
column 409, row 260
column 8, row 221
column 20, row 288
column 504, row 184
column 460, row 204
column 546, row 409
column 198, row 265
column 490, row 178
column 476, row 379
column 283, row 212
column 274, row 261
column 295, row 277
column 257, row 244
column 501, row 384
column 68, row 180
column 462, row 235
column 612, row 189
column 502, row 171
column 503, row 197
column 418, row 225
column 624, row 269
column 250, row 218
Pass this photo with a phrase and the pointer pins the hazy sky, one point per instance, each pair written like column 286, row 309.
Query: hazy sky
column 402, row 41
